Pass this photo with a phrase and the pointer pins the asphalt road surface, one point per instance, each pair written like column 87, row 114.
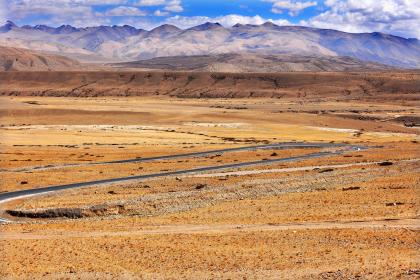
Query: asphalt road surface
column 287, row 145
column 8, row 196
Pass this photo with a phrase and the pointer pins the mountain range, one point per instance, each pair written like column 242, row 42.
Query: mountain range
column 127, row 43
column 252, row 63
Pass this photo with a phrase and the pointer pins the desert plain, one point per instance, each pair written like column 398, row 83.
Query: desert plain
column 352, row 213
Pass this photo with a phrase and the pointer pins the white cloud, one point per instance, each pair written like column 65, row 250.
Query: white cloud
column 227, row 20
column 150, row 2
column 57, row 12
column 122, row 11
column 83, row 12
column 95, row 2
column 174, row 6
column 160, row 13
column 399, row 17
column 292, row 6
column 3, row 12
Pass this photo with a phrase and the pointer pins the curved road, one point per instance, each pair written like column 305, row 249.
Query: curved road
column 286, row 145
column 8, row 196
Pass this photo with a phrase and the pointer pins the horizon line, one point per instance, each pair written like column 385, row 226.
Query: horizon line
column 208, row 22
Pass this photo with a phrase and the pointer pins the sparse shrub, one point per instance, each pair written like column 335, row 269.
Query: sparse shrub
column 200, row 186
column 385, row 163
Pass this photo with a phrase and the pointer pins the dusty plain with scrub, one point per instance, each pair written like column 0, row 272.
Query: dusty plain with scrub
column 347, row 216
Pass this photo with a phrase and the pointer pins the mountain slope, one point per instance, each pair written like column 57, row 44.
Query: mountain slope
column 14, row 59
column 126, row 43
column 247, row 63
column 371, row 86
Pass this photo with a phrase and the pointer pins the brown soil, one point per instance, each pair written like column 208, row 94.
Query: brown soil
column 16, row 59
column 343, row 217
column 345, row 86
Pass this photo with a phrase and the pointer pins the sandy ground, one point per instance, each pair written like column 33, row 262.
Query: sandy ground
column 343, row 217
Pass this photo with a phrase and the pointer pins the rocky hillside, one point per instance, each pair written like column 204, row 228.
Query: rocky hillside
column 248, row 63
column 303, row 85
column 15, row 59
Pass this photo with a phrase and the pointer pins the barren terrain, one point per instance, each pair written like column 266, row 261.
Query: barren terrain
column 397, row 87
column 353, row 214
column 16, row 59
column 248, row 63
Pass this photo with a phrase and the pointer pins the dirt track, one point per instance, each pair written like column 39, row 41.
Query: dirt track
column 413, row 224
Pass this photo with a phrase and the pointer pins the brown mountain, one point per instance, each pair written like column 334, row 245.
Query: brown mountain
column 15, row 59
column 248, row 63
column 387, row 85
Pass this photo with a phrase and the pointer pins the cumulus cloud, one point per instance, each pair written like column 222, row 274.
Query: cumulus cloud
column 56, row 12
column 293, row 7
column 146, row 3
column 3, row 11
column 122, row 11
column 160, row 13
column 399, row 17
column 227, row 20
column 174, row 6
column 94, row 2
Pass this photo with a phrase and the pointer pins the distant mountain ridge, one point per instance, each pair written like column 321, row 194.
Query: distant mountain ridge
column 127, row 43
column 253, row 63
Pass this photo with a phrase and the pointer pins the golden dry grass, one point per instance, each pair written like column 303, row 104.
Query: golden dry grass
column 52, row 131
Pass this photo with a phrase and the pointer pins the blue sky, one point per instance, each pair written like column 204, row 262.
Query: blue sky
column 399, row 17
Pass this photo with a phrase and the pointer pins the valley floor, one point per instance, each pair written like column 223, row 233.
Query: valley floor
column 351, row 215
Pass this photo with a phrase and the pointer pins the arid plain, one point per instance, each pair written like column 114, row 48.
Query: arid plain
column 351, row 214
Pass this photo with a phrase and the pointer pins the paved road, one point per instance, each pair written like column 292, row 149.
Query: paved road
column 287, row 145
column 8, row 196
